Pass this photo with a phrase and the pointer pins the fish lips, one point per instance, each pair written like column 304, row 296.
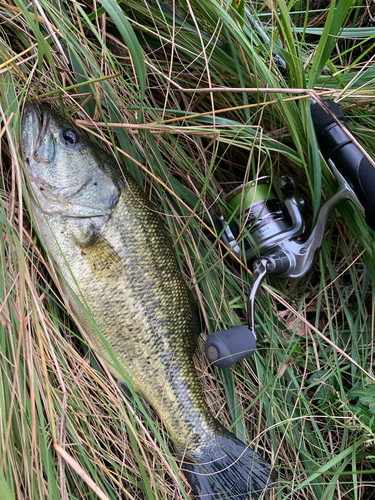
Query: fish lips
column 35, row 123
column 34, row 129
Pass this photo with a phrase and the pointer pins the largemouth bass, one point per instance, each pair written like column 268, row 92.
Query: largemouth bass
column 112, row 251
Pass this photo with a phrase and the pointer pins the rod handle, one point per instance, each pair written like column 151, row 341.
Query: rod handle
column 347, row 157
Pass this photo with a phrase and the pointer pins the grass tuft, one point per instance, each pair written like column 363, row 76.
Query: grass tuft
column 134, row 76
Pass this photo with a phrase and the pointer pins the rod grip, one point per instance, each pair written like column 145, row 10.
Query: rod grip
column 348, row 159
column 226, row 348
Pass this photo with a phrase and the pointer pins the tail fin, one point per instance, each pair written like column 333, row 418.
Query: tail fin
column 227, row 469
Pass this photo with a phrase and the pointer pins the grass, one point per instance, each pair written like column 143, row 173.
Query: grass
column 66, row 430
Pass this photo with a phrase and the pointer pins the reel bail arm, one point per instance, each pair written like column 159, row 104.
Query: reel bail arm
column 301, row 255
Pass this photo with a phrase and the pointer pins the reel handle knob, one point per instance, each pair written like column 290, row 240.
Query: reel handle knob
column 225, row 348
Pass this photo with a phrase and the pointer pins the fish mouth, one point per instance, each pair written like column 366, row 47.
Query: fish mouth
column 35, row 121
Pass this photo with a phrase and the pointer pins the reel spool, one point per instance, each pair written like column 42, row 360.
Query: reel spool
column 254, row 210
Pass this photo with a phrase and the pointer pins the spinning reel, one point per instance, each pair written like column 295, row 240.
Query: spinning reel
column 272, row 228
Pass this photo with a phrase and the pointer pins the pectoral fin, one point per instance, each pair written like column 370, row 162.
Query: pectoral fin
column 129, row 396
column 197, row 320
column 101, row 256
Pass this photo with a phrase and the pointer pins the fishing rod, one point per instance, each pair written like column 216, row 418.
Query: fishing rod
column 272, row 227
column 265, row 39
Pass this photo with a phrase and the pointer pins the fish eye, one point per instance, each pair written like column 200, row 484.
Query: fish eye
column 69, row 137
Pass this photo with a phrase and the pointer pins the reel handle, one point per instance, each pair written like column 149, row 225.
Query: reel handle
column 225, row 348
column 347, row 158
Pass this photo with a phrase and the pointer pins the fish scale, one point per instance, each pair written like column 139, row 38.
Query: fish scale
column 115, row 256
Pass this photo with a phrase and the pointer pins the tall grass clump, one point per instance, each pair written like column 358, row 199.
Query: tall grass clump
column 192, row 102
